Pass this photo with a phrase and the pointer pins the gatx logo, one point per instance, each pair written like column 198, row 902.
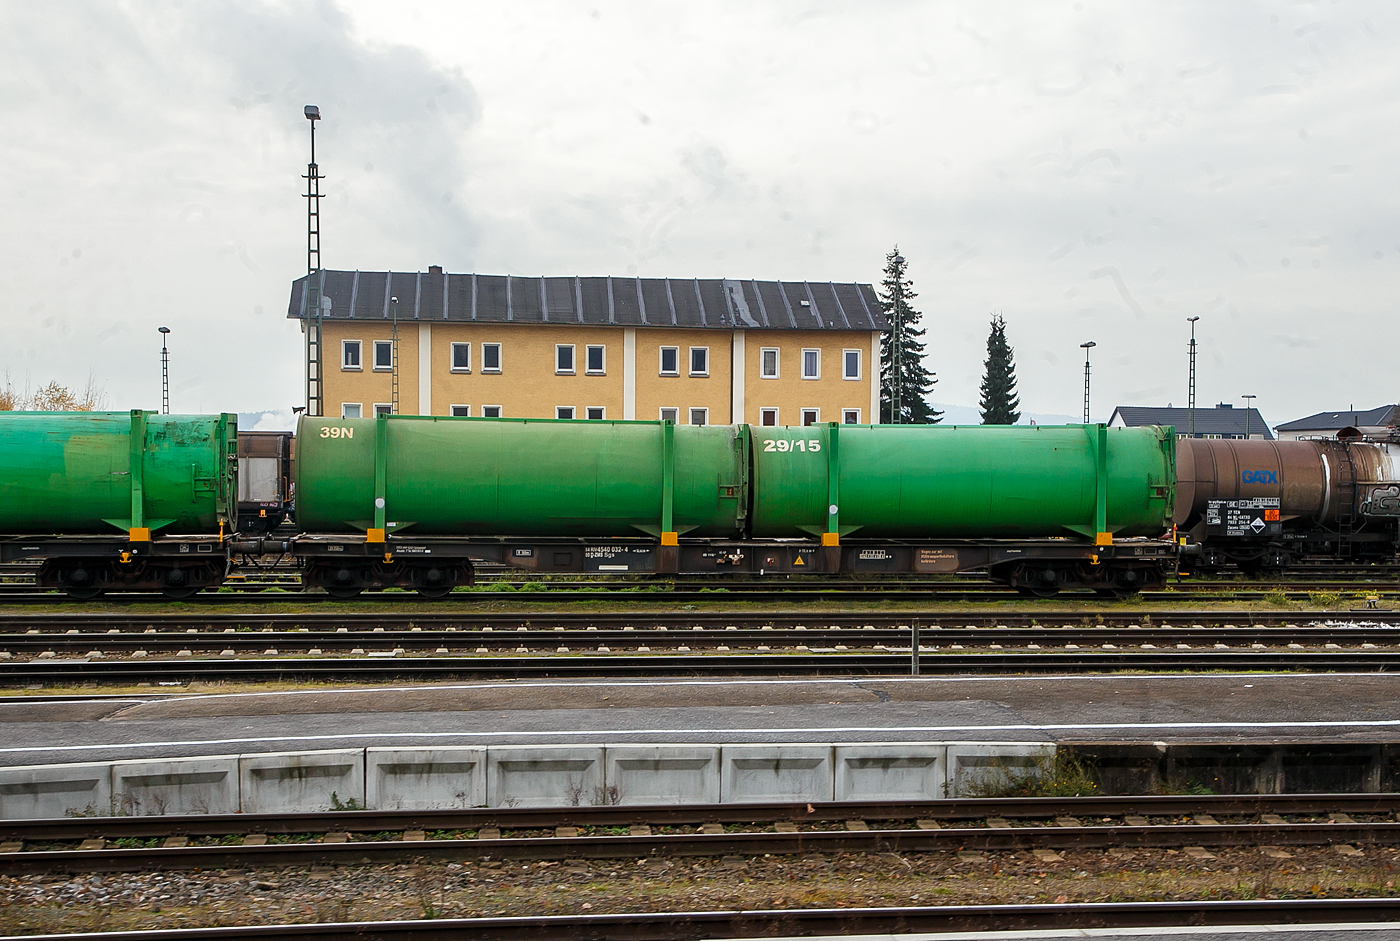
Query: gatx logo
column 1259, row 477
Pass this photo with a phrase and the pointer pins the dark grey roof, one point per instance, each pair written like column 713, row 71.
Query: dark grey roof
column 628, row 302
column 1333, row 421
column 1221, row 420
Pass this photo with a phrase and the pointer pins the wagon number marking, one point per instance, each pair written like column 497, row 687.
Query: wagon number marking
column 782, row 444
column 328, row 431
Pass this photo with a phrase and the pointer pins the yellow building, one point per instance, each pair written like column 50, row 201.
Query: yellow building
column 694, row 351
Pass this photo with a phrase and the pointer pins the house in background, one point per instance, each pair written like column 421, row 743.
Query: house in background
column 692, row 351
column 1376, row 423
column 1223, row 421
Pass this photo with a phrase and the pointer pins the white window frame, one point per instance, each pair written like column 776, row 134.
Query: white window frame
column 661, row 369
column 860, row 365
column 818, row 352
column 452, row 357
column 690, row 362
column 485, row 409
column 466, row 411
column 500, row 358
column 383, row 408
column 704, row 414
column 675, row 418
column 559, row 411
column 816, row 414
column 602, row 411
column 345, row 347
column 357, row 406
column 602, row 370
column 847, row 413
column 777, row 362
column 763, row 414
column 571, row 369
column 375, row 349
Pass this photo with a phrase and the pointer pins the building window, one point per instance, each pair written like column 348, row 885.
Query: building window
column 595, row 412
column 490, row 357
column 349, row 409
column 383, row 354
column 850, row 364
column 810, row 416
column 564, row 412
column 461, row 411
column 768, row 363
column 672, row 415
column 768, row 416
column 461, row 357
column 383, row 408
column 594, row 364
column 490, row 411
column 564, row 359
column 699, row 416
column 811, row 364
column 850, row 416
column 349, row 354
column 670, row 361
column 699, row 360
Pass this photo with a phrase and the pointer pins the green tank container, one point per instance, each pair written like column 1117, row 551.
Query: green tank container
column 922, row 481
column 88, row 473
column 518, row 477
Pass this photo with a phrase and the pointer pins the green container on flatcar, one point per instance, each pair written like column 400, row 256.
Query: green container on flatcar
column 518, row 477
column 91, row 473
column 922, row 481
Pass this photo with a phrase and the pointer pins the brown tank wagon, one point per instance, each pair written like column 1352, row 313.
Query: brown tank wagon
column 1266, row 505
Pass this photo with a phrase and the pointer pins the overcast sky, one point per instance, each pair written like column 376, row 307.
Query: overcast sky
column 1091, row 170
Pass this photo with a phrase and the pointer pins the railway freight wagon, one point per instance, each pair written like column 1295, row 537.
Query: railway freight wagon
column 417, row 501
column 118, row 500
column 1268, row 505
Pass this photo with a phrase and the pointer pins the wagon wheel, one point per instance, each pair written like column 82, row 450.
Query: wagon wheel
column 343, row 592
column 180, row 592
column 85, row 593
column 436, row 593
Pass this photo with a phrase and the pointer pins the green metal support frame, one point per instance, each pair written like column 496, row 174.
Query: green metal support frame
column 137, row 528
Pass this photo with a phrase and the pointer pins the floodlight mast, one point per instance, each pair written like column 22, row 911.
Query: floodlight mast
column 1191, row 383
column 1086, row 347
column 315, row 366
column 164, row 372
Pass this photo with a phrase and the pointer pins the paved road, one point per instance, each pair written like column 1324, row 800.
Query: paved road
column 1135, row 708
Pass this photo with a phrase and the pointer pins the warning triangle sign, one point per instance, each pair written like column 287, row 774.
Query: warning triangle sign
column 798, row 561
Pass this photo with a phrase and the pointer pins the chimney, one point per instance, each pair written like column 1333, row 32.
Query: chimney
column 435, row 269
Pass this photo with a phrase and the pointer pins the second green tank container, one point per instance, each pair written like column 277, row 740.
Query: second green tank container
column 921, row 481
column 92, row 473
column 518, row 477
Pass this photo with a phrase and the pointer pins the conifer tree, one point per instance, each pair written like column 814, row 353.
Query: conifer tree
column 999, row 399
column 903, row 377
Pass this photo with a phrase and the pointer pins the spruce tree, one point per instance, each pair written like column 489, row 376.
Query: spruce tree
column 903, row 377
column 999, row 398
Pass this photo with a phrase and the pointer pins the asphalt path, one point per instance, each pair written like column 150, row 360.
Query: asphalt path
column 1253, row 708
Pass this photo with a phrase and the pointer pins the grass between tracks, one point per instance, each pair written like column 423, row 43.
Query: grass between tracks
column 113, row 902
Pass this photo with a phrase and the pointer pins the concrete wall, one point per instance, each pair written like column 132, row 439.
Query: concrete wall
column 511, row 776
column 176, row 786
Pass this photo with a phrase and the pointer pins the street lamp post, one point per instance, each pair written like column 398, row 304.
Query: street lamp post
column 164, row 372
column 1086, row 347
column 1191, row 383
column 1248, row 407
column 315, row 365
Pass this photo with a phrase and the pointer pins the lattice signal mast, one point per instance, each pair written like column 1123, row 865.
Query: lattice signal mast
column 1191, row 382
column 315, row 386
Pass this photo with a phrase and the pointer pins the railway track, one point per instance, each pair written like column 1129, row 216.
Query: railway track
column 125, row 844
column 680, row 926
column 123, row 648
